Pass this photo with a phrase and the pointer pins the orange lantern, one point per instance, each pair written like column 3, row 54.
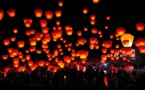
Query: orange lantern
column 79, row 33
column 58, row 13
column 13, row 38
column 43, row 23
column 57, row 22
column 141, row 49
column 32, row 41
column 92, row 17
column 60, row 3
column 127, row 40
column 5, row 57
column 41, row 63
column 108, row 17
column 83, row 54
column 85, row 28
column 28, row 22
column 45, row 30
column 21, row 68
column 111, row 36
column 20, row 44
column 6, row 42
column 120, row 31
column 15, row 30
column 28, row 57
column 117, row 46
column 11, row 12
column 85, row 10
column 140, row 42
column 104, row 57
column 104, row 50
column 107, row 44
column 1, row 14
column 38, row 13
column 140, row 26
column 92, row 22
column 15, row 60
column 95, row 1
column 93, row 40
column 49, row 14
column 94, row 30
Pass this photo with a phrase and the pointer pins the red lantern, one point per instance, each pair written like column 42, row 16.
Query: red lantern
column 79, row 33
column 28, row 22
column 41, row 63
column 1, row 14
column 5, row 57
column 38, row 13
column 83, row 54
column 92, row 17
column 60, row 3
column 6, row 42
column 15, row 30
column 94, row 30
column 85, row 10
column 95, row 1
column 49, row 14
column 20, row 44
column 11, row 12
column 107, row 44
column 104, row 50
column 141, row 49
column 140, row 26
column 58, row 13
column 43, row 23
column 45, row 30
column 120, row 31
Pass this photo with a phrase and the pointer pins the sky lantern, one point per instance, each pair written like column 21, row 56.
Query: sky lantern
column 15, row 30
column 21, row 68
column 57, row 34
column 1, row 14
column 43, row 22
column 32, row 49
column 20, row 44
column 104, row 50
column 79, row 33
column 32, row 31
column 111, row 36
column 93, row 40
column 94, row 30
column 120, row 31
column 38, row 51
column 85, row 10
column 28, row 57
column 85, row 29
column 91, row 46
column 49, row 14
column 108, row 17
column 117, row 46
column 106, row 27
column 5, row 56
column 38, row 13
column 6, row 42
column 107, row 44
column 96, row 46
column 58, row 13
column 45, row 30
column 28, row 22
column 126, row 50
column 104, row 57
column 10, row 50
column 83, row 54
column 140, row 26
column 32, row 41
column 140, row 42
column 16, row 60
column 60, row 3
column 11, row 12
column 13, row 38
column 33, row 67
column 127, row 40
column 41, row 63
column 67, row 59
column 112, row 51
column 95, row 1
column 93, row 17
column 116, row 52
column 23, row 59
column 141, row 49
column 92, row 22
column 57, row 22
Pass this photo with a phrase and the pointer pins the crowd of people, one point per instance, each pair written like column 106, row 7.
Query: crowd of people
column 92, row 76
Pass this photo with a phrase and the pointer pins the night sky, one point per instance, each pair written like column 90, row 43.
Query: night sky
column 124, row 13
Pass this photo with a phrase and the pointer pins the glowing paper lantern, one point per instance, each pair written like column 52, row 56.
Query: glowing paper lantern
column 95, row 1
column 5, row 57
column 140, row 42
column 58, row 13
column 107, row 44
column 28, row 22
column 60, row 3
column 120, row 31
column 43, row 23
column 141, row 49
column 15, row 30
column 127, row 40
column 38, row 13
column 49, row 14
column 140, row 26
column 6, row 42
column 20, row 44
column 83, row 54
column 41, row 63
column 11, row 12
column 85, row 10
column 1, row 14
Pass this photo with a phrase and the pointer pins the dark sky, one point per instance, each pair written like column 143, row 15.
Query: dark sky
column 125, row 13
